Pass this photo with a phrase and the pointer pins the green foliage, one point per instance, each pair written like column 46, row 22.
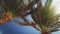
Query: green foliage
column 10, row 5
column 44, row 16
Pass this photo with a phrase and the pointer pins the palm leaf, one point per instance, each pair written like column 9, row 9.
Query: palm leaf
column 43, row 15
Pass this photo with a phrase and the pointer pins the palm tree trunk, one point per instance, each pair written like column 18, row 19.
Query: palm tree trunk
column 44, row 30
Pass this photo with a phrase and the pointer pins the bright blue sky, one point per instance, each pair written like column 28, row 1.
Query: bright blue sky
column 13, row 28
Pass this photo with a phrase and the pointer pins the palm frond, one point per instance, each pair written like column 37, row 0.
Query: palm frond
column 44, row 16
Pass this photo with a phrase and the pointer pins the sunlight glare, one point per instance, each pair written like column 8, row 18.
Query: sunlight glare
column 58, row 9
column 56, row 3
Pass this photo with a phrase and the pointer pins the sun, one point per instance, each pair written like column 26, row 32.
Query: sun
column 56, row 4
column 58, row 9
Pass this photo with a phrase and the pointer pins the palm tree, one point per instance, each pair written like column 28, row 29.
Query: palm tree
column 7, row 9
column 42, row 15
